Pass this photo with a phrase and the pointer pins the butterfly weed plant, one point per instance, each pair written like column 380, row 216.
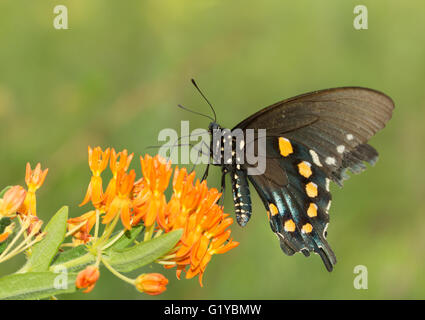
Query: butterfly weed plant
column 129, row 224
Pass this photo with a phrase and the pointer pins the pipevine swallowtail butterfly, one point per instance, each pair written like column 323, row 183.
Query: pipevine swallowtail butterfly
column 311, row 139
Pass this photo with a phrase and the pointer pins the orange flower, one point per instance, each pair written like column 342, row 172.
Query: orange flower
column 122, row 203
column 202, row 253
column 98, row 161
column 116, row 166
column 156, row 175
column 34, row 180
column 151, row 283
column 12, row 201
column 82, row 234
column 87, row 278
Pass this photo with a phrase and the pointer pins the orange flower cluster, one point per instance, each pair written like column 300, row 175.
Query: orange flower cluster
column 117, row 198
column 192, row 207
column 17, row 200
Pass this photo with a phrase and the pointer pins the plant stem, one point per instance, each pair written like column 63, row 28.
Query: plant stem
column 119, row 235
column 116, row 273
column 81, row 261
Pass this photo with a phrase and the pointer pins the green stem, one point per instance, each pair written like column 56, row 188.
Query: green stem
column 77, row 263
column 96, row 230
column 108, row 231
column 116, row 273
column 119, row 235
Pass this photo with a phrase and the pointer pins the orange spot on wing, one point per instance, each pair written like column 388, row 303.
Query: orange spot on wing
column 273, row 209
column 304, row 168
column 312, row 210
column 311, row 189
column 307, row 228
column 289, row 225
column 285, row 147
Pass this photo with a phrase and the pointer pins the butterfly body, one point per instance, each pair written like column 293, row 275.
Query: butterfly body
column 310, row 140
column 232, row 165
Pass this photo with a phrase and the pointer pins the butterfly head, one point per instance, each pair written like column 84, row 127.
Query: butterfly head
column 213, row 126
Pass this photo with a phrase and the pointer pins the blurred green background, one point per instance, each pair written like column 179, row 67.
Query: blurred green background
column 115, row 77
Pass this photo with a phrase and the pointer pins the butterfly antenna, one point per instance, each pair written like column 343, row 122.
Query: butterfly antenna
column 199, row 90
column 195, row 112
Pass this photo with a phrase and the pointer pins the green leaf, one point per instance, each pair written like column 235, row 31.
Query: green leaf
column 4, row 222
column 36, row 285
column 4, row 191
column 3, row 245
column 73, row 253
column 43, row 252
column 127, row 238
column 143, row 253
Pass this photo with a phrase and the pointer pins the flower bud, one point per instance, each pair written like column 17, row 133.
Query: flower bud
column 87, row 278
column 151, row 283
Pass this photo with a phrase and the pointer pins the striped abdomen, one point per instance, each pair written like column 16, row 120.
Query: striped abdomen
column 241, row 196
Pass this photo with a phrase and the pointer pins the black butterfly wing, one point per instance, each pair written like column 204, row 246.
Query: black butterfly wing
column 310, row 139
column 334, row 123
column 296, row 195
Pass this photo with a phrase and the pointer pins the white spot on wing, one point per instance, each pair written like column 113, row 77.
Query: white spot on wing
column 328, row 206
column 324, row 230
column 350, row 137
column 330, row 161
column 340, row 148
column 327, row 184
column 315, row 158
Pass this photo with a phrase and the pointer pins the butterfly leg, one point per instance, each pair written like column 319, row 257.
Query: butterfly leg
column 205, row 173
column 223, row 184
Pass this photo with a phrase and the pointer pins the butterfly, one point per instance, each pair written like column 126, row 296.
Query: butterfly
column 311, row 140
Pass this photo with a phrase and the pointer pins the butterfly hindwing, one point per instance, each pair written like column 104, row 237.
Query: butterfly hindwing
column 298, row 204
